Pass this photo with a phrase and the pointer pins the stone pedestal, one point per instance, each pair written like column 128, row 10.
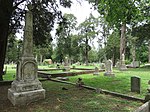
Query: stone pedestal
column 122, row 65
column 26, row 87
column 23, row 98
column 66, row 64
column 67, row 68
column 109, row 74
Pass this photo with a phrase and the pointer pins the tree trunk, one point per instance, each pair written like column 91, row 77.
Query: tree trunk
column 86, row 52
column 133, row 52
column 122, row 40
column 41, row 59
column 149, row 51
column 5, row 15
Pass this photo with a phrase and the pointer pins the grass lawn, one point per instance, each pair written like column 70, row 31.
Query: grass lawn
column 71, row 100
column 120, row 83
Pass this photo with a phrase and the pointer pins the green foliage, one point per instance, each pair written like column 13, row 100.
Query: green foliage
column 112, row 46
column 115, row 12
column 14, row 47
column 93, row 57
column 67, row 42
column 142, row 53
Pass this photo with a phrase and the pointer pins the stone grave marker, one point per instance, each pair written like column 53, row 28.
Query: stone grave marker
column 26, row 87
column 66, row 64
column 108, row 68
column 135, row 84
column 96, row 71
column 122, row 65
column 102, row 66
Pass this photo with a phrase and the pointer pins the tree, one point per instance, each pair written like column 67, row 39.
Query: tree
column 143, row 33
column 11, row 16
column 13, row 49
column 65, row 35
column 93, row 57
column 86, row 33
column 112, row 47
column 119, row 13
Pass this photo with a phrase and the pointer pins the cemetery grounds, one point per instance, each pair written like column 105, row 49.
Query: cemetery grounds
column 62, row 97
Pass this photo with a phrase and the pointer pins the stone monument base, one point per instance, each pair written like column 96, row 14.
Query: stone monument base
column 96, row 73
column 67, row 68
column 23, row 98
column 122, row 67
column 109, row 74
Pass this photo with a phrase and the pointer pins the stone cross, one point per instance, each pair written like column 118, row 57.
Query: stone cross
column 26, row 87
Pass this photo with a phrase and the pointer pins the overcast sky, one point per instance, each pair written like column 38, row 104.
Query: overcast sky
column 81, row 11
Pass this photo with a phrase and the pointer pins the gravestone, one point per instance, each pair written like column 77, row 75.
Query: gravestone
column 136, row 64
column 102, row 66
column 66, row 64
column 26, row 87
column 96, row 71
column 135, row 84
column 117, row 64
column 108, row 68
column 122, row 65
column 147, row 97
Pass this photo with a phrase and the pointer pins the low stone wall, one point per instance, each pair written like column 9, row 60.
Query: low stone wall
column 50, row 69
column 144, row 108
column 64, row 74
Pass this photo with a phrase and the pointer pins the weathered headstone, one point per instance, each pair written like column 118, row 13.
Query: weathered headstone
column 117, row 64
column 66, row 64
column 102, row 66
column 96, row 71
column 136, row 64
column 135, row 84
column 122, row 65
column 109, row 69
column 26, row 87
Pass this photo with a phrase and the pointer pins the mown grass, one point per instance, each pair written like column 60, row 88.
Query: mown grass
column 71, row 100
column 75, row 100
column 120, row 83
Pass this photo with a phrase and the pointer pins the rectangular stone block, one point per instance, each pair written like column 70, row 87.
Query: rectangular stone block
column 135, row 84
column 23, row 98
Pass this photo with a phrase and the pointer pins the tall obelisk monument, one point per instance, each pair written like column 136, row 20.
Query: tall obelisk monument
column 26, row 87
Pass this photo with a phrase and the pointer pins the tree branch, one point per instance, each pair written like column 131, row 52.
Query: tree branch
column 14, row 7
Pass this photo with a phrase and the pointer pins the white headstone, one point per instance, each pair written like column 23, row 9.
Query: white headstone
column 109, row 68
